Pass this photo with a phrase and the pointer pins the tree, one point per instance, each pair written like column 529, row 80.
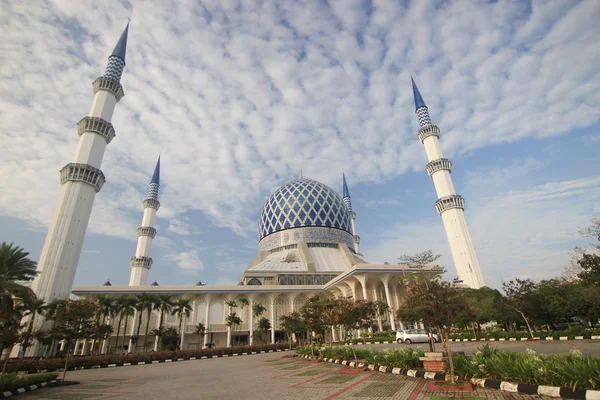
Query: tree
column 231, row 321
column 264, row 325
column 438, row 303
column 15, row 268
column 106, row 309
column 257, row 310
column 44, row 338
column 72, row 320
column 381, row 309
column 143, row 302
column 352, row 315
column 181, row 308
column 153, row 299
column 418, row 260
column 518, row 296
column 125, row 309
column 200, row 330
column 29, row 310
column 159, row 333
column 292, row 324
column 10, row 328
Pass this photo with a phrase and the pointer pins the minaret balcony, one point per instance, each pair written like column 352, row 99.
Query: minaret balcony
column 109, row 85
column 96, row 125
column 448, row 202
column 82, row 173
column 438, row 165
column 429, row 130
column 352, row 215
column 142, row 262
column 151, row 203
column 356, row 239
column 146, row 231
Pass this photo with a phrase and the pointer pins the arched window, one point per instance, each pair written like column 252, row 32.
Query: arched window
column 254, row 281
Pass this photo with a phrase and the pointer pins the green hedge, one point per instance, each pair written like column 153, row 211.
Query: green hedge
column 573, row 370
column 396, row 358
column 54, row 364
column 571, row 333
column 13, row 381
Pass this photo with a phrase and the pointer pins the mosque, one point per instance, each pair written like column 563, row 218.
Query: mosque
column 308, row 241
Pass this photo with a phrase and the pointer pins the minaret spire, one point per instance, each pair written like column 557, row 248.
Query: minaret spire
column 80, row 181
column 348, row 202
column 449, row 205
column 141, row 263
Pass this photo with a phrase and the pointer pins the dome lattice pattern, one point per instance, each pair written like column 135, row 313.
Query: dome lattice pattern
column 303, row 202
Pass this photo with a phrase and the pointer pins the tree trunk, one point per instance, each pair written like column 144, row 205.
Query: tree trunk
column 146, row 334
column 118, row 332
column 139, row 327
column 6, row 359
column 528, row 325
column 25, row 344
column 67, row 346
column 450, row 361
column 125, row 332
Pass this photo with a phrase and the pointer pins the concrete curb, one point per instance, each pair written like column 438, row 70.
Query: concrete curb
column 550, row 391
column 535, row 339
column 29, row 388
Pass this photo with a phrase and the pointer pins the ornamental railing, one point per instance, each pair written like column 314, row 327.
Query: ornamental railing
column 75, row 172
column 98, row 126
column 146, row 231
column 429, row 130
column 109, row 85
column 151, row 203
column 439, row 164
column 144, row 262
column 448, row 202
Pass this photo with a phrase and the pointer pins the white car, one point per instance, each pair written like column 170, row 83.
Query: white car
column 409, row 336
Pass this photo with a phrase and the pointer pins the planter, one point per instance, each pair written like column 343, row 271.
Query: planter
column 433, row 362
column 446, row 386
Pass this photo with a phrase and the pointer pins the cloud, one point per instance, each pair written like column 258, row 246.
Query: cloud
column 238, row 98
column 187, row 261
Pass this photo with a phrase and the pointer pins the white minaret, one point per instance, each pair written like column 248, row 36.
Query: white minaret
column 141, row 263
column 449, row 205
column 348, row 202
column 80, row 180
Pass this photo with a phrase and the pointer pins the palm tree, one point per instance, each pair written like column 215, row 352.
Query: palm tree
column 164, row 304
column 264, row 325
column 106, row 308
column 119, row 306
column 15, row 268
column 200, row 330
column 31, row 309
column 153, row 301
column 159, row 333
column 243, row 304
column 129, row 311
column 181, row 307
column 143, row 302
column 257, row 310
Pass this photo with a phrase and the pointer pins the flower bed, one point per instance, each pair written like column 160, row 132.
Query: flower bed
column 571, row 370
column 54, row 364
column 13, row 381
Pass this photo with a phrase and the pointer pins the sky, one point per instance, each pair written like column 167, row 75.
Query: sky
column 238, row 97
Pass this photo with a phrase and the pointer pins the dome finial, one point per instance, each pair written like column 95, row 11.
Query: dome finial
column 417, row 95
column 156, row 175
column 345, row 191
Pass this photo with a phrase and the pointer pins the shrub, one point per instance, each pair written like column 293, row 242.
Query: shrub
column 13, row 381
column 572, row 370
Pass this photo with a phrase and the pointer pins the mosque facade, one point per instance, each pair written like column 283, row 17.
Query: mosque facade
column 308, row 241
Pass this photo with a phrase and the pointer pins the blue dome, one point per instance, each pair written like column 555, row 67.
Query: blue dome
column 303, row 202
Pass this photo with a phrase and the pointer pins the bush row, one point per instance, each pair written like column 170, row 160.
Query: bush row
column 572, row 370
column 395, row 358
column 53, row 364
column 13, row 381
column 571, row 333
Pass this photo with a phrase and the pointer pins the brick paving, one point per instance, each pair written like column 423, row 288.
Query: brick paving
column 264, row 376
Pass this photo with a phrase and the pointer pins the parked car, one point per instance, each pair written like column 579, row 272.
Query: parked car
column 409, row 336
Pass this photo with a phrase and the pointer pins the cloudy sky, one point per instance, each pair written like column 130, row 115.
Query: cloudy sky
column 239, row 96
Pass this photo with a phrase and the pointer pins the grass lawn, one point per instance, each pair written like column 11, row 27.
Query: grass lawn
column 462, row 398
column 379, row 389
column 337, row 379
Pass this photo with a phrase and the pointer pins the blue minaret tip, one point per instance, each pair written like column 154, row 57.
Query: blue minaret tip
column 156, row 175
column 418, row 99
column 346, row 192
column 121, row 46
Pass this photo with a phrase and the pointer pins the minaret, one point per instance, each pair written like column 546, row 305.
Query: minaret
column 348, row 202
column 141, row 263
column 449, row 205
column 80, row 180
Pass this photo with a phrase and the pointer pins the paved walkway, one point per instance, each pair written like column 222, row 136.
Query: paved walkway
column 264, row 376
